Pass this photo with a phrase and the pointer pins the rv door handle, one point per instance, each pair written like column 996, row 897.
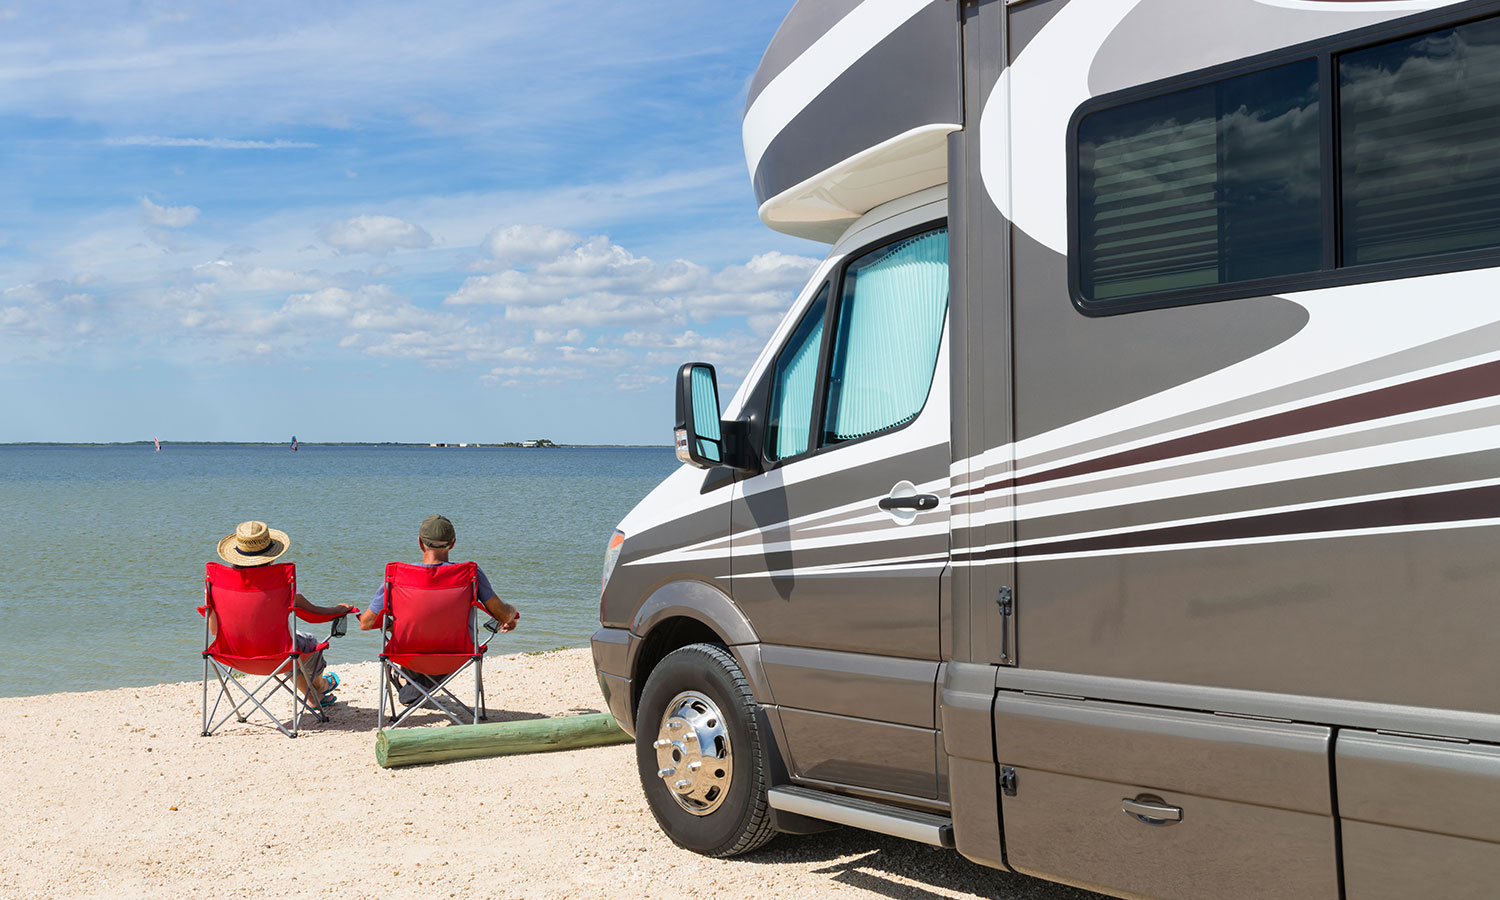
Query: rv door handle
column 1152, row 810
column 915, row 501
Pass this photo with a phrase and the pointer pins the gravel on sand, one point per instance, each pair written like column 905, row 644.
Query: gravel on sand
column 115, row 794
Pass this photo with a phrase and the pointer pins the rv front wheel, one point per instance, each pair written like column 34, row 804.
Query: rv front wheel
column 701, row 754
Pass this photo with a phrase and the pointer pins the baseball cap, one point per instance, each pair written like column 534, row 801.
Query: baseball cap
column 437, row 531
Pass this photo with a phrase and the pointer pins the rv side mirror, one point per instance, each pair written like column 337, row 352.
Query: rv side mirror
column 699, row 436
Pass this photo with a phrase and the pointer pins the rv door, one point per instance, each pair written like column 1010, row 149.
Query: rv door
column 840, row 542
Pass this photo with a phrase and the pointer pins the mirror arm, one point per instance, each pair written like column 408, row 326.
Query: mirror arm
column 738, row 454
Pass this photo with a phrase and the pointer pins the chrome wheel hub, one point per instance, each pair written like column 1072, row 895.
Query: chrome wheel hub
column 693, row 756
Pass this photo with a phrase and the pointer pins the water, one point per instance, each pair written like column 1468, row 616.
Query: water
column 102, row 548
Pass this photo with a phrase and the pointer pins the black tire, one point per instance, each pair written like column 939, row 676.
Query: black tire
column 742, row 820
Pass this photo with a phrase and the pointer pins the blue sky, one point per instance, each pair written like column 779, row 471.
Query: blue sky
column 370, row 221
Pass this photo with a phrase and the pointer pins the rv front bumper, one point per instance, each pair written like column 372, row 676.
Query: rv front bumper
column 612, row 648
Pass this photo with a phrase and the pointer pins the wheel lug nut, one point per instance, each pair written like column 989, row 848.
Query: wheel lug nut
column 668, row 772
column 660, row 743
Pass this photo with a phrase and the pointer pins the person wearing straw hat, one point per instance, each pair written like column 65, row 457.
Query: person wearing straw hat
column 435, row 540
column 256, row 544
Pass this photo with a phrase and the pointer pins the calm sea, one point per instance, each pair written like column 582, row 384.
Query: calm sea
column 102, row 548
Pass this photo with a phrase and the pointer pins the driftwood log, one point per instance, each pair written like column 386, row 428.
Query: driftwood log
column 414, row 746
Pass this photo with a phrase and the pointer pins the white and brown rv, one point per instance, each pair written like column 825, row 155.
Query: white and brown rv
column 1119, row 502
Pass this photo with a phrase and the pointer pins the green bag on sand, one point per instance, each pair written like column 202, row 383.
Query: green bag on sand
column 414, row 746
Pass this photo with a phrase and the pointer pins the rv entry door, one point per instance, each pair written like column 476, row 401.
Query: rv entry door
column 840, row 542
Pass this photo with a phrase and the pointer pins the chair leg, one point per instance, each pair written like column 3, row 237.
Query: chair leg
column 205, row 696
column 296, row 700
column 385, row 689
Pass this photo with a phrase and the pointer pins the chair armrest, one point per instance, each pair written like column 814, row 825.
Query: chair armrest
column 317, row 618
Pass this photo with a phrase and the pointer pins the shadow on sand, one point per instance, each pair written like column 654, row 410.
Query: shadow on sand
column 892, row 867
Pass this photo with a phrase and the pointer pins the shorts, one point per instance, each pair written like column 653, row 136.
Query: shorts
column 312, row 663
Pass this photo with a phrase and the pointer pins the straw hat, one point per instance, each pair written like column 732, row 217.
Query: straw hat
column 253, row 544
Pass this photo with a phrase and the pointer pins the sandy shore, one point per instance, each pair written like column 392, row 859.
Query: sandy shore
column 114, row 794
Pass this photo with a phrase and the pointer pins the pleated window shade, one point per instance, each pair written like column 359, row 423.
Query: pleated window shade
column 789, row 419
column 890, row 321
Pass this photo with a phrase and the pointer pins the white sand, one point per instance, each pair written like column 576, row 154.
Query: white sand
column 115, row 794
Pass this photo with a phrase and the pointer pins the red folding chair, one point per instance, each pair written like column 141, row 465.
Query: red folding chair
column 431, row 628
column 257, row 613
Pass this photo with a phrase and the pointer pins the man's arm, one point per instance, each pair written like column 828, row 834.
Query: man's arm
column 503, row 612
column 369, row 620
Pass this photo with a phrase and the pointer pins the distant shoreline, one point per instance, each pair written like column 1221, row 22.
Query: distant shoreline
column 422, row 444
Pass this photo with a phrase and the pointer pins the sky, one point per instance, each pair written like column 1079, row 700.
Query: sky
column 378, row 221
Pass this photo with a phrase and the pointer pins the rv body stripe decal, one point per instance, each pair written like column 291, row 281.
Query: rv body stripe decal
column 1469, row 347
column 984, row 557
column 1439, row 390
column 1265, row 466
column 1423, row 509
column 811, row 73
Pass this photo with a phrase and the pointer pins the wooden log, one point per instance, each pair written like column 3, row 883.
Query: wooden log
column 414, row 746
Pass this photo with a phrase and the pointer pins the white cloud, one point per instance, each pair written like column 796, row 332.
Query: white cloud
column 638, row 381
column 168, row 216
column 374, row 234
column 207, row 143
column 520, row 244
column 238, row 276
column 571, row 336
column 599, row 284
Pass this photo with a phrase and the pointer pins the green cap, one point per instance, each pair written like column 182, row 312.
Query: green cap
column 437, row 532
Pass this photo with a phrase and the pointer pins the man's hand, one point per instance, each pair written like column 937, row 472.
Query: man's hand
column 514, row 618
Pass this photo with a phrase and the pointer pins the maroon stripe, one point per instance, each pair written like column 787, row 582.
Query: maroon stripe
column 1426, row 393
column 1001, row 483
column 1448, row 506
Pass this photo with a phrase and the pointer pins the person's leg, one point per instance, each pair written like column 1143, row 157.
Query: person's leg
column 310, row 678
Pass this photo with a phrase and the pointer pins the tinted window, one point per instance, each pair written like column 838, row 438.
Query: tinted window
column 1420, row 122
column 789, row 419
column 1203, row 186
column 890, row 322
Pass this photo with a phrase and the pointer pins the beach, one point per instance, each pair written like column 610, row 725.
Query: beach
column 116, row 794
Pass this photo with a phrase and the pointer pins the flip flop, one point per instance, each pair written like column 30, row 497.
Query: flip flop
column 333, row 681
column 328, row 700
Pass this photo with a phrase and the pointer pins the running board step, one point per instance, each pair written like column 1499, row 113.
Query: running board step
column 866, row 814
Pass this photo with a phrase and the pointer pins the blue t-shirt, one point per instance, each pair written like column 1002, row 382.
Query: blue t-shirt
column 485, row 591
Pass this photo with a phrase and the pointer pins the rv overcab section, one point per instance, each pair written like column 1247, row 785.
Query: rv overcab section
column 1176, row 348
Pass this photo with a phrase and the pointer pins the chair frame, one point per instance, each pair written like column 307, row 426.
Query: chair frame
column 389, row 669
column 283, row 678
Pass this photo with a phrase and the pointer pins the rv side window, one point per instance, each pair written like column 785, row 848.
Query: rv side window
column 1421, row 145
column 789, row 420
column 1203, row 186
column 1220, row 189
column 885, row 346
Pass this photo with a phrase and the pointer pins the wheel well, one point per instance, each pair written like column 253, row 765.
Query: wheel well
column 668, row 635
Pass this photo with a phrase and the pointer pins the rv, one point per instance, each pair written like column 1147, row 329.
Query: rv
column 1119, row 502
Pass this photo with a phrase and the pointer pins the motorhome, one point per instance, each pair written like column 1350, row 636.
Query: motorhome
column 1119, row 501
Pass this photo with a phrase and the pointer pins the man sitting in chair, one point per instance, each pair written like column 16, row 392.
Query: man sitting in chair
column 435, row 539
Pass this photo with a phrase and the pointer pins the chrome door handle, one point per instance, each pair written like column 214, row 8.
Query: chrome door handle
column 1152, row 810
column 915, row 501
